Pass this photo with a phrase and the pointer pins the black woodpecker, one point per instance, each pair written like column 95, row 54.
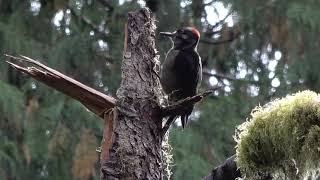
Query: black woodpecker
column 181, row 71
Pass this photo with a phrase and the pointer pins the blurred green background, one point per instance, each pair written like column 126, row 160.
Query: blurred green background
column 271, row 50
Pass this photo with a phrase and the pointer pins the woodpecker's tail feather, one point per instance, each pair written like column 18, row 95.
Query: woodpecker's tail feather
column 171, row 119
column 184, row 120
column 185, row 117
column 167, row 125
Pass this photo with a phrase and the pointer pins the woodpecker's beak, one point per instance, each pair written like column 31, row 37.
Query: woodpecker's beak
column 169, row 34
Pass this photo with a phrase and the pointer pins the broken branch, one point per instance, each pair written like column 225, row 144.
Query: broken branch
column 94, row 100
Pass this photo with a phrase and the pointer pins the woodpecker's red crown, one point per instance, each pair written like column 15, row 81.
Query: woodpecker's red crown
column 191, row 30
column 196, row 32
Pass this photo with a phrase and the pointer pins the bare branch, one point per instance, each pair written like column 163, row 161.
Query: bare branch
column 88, row 22
column 219, row 76
column 210, row 41
column 94, row 100
column 209, row 3
column 221, row 21
column 107, row 4
column 179, row 108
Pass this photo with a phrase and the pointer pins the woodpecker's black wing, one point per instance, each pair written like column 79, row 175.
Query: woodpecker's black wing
column 189, row 74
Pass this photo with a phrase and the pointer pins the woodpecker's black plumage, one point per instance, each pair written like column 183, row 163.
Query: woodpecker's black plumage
column 181, row 72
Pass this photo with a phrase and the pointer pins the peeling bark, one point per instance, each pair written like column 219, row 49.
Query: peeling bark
column 135, row 152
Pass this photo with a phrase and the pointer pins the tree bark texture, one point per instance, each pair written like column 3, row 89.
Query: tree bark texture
column 135, row 148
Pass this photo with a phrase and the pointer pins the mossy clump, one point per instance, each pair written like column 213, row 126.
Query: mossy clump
column 282, row 137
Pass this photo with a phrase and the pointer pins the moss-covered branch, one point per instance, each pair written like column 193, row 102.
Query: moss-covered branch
column 281, row 138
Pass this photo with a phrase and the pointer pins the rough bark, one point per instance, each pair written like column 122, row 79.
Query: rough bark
column 135, row 151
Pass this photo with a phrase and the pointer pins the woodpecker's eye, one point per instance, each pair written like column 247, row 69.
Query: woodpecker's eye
column 180, row 31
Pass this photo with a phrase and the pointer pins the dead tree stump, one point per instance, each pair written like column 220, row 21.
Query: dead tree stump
column 135, row 148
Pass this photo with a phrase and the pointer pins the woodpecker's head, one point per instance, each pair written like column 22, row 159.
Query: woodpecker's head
column 184, row 38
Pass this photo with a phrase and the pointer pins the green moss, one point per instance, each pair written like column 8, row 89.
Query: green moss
column 282, row 136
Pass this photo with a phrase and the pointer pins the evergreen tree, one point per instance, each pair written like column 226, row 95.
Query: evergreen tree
column 270, row 50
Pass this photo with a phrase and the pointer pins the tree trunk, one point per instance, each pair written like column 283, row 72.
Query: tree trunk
column 134, row 150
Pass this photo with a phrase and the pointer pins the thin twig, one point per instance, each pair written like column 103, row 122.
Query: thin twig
column 221, row 21
column 219, row 76
column 179, row 107
column 210, row 41
column 87, row 21
column 107, row 4
column 209, row 3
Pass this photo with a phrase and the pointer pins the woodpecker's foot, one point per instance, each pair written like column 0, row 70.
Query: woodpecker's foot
column 172, row 97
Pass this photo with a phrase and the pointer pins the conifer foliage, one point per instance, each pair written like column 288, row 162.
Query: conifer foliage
column 253, row 51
